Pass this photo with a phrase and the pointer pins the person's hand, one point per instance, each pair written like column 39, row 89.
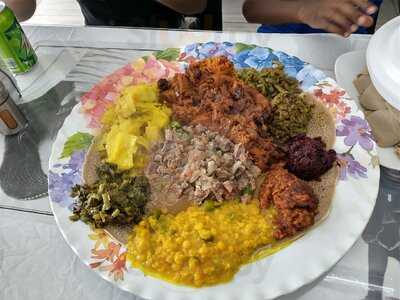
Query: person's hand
column 23, row 9
column 337, row 16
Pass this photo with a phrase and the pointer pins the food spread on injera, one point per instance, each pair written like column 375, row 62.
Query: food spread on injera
column 322, row 125
column 209, row 170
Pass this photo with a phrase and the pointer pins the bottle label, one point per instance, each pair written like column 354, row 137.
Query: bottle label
column 8, row 119
column 21, row 47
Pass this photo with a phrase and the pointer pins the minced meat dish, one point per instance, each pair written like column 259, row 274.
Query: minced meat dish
column 293, row 199
column 193, row 164
column 210, row 94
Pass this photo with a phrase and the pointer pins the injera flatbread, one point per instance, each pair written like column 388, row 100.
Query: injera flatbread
column 92, row 160
column 322, row 124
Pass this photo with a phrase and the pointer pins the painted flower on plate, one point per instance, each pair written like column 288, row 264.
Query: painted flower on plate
column 331, row 97
column 239, row 60
column 191, row 50
column 101, row 238
column 257, row 58
column 217, row 49
column 292, row 64
column 356, row 131
column 117, row 268
column 109, row 253
column 60, row 184
column 334, row 98
column 349, row 166
column 111, row 257
column 202, row 51
column 309, row 76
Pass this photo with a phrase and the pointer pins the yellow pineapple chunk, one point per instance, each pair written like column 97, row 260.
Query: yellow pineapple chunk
column 132, row 125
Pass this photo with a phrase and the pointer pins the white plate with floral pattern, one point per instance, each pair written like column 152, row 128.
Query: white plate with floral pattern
column 347, row 67
column 300, row 263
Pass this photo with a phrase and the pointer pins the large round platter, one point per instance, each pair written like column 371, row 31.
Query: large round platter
column 300, row 263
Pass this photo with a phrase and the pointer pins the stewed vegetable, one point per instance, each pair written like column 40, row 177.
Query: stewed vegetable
column 115, row 198
column 291, row 112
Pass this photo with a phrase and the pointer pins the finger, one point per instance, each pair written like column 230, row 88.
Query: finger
column 365, row 6
column 334, row 28
column 365, row 21
column 356, row 15
column 342, row 21
column 351, row 12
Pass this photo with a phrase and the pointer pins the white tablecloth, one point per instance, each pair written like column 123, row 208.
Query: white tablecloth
column 35, row 261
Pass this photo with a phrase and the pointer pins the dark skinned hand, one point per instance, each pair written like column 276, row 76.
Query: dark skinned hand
column 337, row 16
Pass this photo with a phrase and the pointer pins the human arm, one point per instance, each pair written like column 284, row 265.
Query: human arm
column 341, row 16
column 23, row 9
column 186, row 7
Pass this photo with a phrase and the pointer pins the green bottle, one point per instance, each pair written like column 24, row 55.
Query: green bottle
column 15, row 49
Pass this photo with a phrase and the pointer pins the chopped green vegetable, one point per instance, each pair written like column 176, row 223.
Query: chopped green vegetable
column 291, row 113
column 116, row 198
column 291, row 116
column 175, row 125
column 106, row 201
column 157, row 213
column 74, row 217
column 208, row 205
column 247, row 191
column 206, row 235
column 270, row 81
column 115, row 213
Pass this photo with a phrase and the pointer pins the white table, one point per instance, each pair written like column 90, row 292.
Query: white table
column 35, row 261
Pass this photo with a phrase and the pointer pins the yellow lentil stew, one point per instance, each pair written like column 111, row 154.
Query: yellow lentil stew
column 200, row 246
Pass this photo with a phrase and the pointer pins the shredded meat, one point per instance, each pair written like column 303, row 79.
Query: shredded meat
column 210, row 95
column 193, row 164
column 293, row 199
column 201, row 70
